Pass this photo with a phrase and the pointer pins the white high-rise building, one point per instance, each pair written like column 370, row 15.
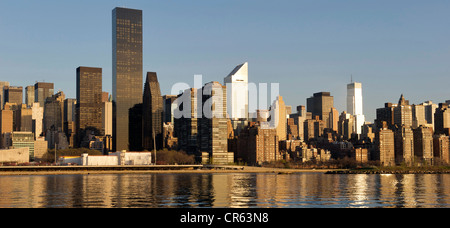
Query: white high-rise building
column 37, row 116
column 107, row 115
column 237, row 92
column 355, row 105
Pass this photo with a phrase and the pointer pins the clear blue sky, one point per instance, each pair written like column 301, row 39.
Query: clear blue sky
column 307, row 46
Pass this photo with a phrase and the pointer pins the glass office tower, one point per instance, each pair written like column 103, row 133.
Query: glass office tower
column 152, row 113
column 127, row 71
column 89, row 101
column 42, row 91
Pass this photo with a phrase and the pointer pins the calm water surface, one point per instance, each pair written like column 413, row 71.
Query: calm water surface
column 225, row 190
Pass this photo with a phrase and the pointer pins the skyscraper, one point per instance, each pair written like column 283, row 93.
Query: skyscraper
column 24, row 121
column 320, row 105
column 6, row 125
column 238, row 97
column 441, row 148
column 418, row 115
column 42, row 90
column 14, row 95
column 282, row 121
column 355, row 105
column 135, row 128
column 169, row 106
column 430, row 109
column 385, row 145
column 29, row 95
column 334, row 119
column 213, row 124
column 54, row 121
column 127, row 71
column 404, row 145
column 152, row 113
column 403, row 113
column 299, row 119
column 37, row 117
column 278, row 118
column 442, row 119
column 423, row 144
column 2, row 95
column 69, row 120
column 386, row 115
column 257, row 145
column 237, row 90
column 89, row 101
column 107, row 109
column 53, row 112
column 186, row 126
column 346, row 125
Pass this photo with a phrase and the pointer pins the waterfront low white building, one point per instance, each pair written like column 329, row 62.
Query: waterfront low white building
column 113, row 159
column 19, row 155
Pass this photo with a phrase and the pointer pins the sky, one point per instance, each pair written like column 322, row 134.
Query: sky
column 307, row 46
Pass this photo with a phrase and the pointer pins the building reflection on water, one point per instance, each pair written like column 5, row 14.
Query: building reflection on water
column 225, row 190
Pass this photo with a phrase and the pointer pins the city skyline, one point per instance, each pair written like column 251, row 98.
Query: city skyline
column 140, row 87
column 392, row 49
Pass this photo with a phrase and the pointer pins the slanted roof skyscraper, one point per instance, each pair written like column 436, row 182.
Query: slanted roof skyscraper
column 403, row 113
column 152, row 113
column 237, row 90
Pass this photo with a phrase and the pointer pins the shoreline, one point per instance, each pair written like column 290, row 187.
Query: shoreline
column 24, row 171
column 394, row 172
column 198, row 169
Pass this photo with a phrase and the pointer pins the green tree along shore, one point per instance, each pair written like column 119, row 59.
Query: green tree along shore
column 49, row 157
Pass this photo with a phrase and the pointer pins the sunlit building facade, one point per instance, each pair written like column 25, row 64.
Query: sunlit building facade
column 237, row 92
column 320, row 105
column 355, row 105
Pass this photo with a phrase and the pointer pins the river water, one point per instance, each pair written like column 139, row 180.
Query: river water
column 304, row 190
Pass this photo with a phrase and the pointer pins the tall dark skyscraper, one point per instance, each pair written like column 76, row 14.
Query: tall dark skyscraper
column 127, row 71
column 152, row 113
column 442, row 119
column 89, row 101
column 2, row 95
column 14, row 94
column 320, row 105
column 53, row 112
column 43, row 90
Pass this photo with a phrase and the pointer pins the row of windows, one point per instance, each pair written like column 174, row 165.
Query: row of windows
column 128, row 22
